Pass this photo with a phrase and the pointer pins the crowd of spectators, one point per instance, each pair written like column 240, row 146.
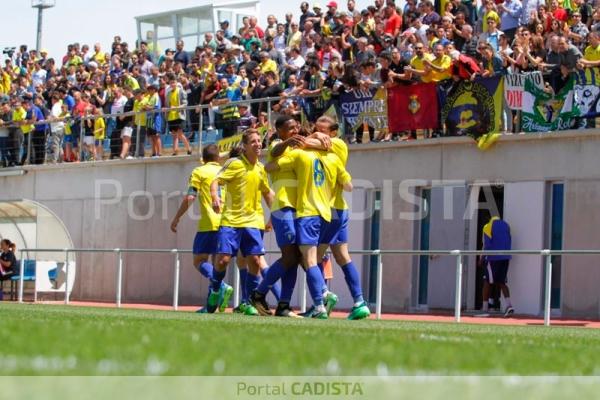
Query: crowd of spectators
column 315, row 49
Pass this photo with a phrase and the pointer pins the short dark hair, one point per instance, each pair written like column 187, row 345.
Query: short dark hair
column 282, row 120
column 210, row 153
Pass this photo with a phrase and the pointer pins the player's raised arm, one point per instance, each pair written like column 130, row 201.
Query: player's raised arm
column 318, row 141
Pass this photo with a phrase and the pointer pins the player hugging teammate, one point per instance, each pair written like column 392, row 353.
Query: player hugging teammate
column 308, row 214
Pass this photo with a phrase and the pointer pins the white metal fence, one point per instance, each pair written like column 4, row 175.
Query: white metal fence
column 458, row 254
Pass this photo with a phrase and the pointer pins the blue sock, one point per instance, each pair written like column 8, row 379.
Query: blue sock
column 321, row 268
column 288, row 282
column 206, row 269
column 276, row 287
column 314, row 280
column 270, row 276
column 251, row 283
column 243, row 277
column 353, row 282
column 217, row 280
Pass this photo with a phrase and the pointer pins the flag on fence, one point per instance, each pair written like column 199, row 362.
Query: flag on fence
column 544, row 112
column 474, row 108
column 369, row 106
column 587, row 92
column 413, row 107
column 514, row 86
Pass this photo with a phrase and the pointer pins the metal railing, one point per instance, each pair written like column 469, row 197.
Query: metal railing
column 79, row 121
column 458, row 254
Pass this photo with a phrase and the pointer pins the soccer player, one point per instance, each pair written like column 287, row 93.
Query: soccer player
column 283, row 215
column 205, row 242
column 335, row 233
column 242, row 217
column 317, row 173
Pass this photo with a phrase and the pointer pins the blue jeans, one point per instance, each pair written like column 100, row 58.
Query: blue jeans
column 4, row 151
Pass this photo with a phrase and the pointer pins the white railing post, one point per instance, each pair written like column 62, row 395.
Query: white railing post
column 236, row 287
column 21, row 277
column 176, row 281
column 303, row 292
column 67, row 269
column 458, row 290
column 200, row 123
column 119, row 277
column 378, row 294
column 548, row 286
column 66, row 266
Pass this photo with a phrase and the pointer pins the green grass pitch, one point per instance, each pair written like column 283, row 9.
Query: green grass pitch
column 55, row 340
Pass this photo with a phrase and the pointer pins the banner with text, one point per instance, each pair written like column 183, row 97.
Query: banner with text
column 514, row 86
column 365, row 106
column 545, row 112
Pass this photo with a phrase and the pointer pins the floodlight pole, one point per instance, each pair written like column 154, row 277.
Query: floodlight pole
column 41, row 5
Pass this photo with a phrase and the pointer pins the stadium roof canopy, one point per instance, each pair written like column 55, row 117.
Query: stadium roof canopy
column 31, row 225
column 162, row 30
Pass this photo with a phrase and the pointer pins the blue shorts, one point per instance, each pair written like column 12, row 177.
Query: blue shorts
column 336, row 231
column 309, row 230
column 284, row 227
column 496, row 271
column 206, row 242
column 73, row 139
column 248, row 240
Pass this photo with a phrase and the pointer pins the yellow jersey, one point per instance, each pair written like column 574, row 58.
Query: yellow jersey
column 138, row 108
column 436, row 76
column 318, row 173
column 199, row 185
column 417, row 63
column 5, row 82
column 173, row 102
column 340, row 149
column 592, row 53
column 20, row 114
column 283, row 182
column 99, row 128
column 67, row 122
column 244, row 184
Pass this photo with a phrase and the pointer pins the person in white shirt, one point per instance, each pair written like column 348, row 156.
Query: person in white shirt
column 38, row 77
column 57, row 130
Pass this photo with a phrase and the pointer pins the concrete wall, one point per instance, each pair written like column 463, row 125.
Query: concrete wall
column 525, row 213
column 95, row 219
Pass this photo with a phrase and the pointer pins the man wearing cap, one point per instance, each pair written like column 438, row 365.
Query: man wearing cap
column 225, row 28
column 331, row 10
column 365, row 26
column 316, row 19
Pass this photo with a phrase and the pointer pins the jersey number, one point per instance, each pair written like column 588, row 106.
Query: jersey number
column 318, row 173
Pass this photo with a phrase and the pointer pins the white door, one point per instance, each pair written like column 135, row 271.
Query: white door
column 446, row 232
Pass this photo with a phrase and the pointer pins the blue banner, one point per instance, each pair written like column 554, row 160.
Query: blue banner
column 365, row 106
column 474, row 108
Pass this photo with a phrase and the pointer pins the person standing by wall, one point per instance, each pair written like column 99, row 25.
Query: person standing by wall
column 496, row 236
